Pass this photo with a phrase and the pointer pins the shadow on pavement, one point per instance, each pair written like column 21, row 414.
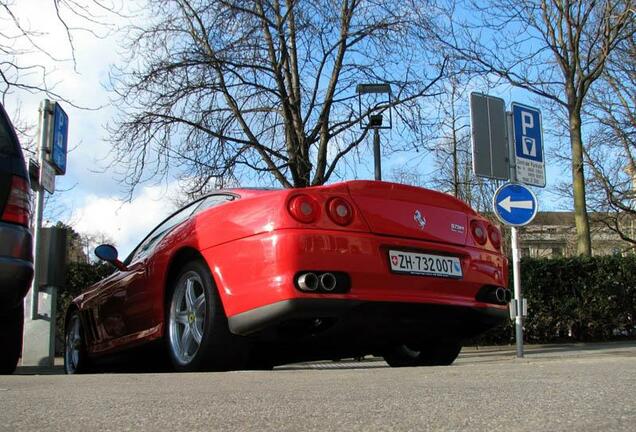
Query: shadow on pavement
column 468, row 355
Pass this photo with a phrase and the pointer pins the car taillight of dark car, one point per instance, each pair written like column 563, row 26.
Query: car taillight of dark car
column 18, row 207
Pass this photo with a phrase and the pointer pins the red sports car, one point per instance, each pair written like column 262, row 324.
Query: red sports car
column 250, row 278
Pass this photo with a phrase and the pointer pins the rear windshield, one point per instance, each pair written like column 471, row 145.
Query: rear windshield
column 9, row 145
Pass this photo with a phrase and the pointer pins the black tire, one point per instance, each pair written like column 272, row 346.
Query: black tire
column 11, row 328
column 76, row 360
column 217, row 349
column 439, row 353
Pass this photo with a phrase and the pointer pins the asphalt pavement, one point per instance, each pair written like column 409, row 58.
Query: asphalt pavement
column 554, row 388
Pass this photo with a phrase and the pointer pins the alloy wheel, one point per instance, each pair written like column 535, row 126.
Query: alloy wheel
column 73, row 345
column 188, row 311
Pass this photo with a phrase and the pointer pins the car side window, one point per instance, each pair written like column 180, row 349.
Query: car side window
column 164, row 228
column 214, row 200
column 160, row 232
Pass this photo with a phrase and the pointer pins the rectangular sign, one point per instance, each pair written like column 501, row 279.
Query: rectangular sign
column 488, row 132
column 47, row 177
column 528, row 143
column 59, row 142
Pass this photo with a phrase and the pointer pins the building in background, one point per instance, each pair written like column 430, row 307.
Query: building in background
column 553, row 234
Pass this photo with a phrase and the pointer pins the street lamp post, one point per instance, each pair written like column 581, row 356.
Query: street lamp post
column 380, row 96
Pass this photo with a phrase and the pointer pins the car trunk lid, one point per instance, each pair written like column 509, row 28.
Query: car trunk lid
column 406, row 211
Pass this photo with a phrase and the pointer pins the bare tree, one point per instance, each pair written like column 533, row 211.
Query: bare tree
column 611, row 151
column 446, row 148
column 19, row 40
column 452, row 149
column 227, row 88
column 556, row 49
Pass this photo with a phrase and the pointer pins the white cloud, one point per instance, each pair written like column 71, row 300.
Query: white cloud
column 91, row 203
column 80, row 83
column 126, row 223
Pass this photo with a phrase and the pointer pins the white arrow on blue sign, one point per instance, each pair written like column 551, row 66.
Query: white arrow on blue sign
column 514, row 204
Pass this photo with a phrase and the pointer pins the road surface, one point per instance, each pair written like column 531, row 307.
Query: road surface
column 573, row 387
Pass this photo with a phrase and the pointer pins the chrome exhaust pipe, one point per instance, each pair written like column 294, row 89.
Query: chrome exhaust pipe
column 500, row 295
column 328, row 281
column 494, row 294
column 308, row 282
column 508, row 296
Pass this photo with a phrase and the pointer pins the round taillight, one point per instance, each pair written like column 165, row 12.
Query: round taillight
column 304, row 208
column 478, row 228
column 340, row 211
column 495, row 236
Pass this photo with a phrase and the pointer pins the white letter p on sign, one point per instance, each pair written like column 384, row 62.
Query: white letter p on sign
column 527, row 122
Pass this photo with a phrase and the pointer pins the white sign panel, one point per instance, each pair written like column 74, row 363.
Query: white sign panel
column 47, row 177
column 528, row 142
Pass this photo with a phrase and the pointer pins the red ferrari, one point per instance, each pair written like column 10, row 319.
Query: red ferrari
column 250, row 278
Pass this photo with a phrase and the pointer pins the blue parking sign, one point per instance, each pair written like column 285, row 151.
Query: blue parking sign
column 59, row 144
column 528, row 142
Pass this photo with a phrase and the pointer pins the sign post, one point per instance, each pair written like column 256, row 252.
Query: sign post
column 515, row 205
column 39, row 328
column 509, row 146
column 44, row 177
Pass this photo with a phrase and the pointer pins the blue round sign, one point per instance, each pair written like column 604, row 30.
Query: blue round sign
column 514, row 204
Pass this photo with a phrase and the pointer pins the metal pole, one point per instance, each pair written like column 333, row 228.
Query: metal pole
column 39, row 203
column 516, row 268
column 376, row 154
column 516, row 273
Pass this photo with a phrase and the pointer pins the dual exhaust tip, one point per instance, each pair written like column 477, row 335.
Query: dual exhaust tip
column 503, row 295
column 312, row 282
column 494, row 294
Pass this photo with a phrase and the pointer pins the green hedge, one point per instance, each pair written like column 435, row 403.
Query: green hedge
column 574, row 299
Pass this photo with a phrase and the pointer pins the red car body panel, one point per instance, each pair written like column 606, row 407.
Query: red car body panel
column 363, row 256
column 254, row 249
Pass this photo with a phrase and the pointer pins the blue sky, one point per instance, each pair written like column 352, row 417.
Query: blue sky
column 92, row 200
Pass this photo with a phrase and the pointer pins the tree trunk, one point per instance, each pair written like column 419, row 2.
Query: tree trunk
column 583, row 240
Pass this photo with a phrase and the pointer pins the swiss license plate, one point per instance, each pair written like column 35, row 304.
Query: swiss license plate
column 425, row 264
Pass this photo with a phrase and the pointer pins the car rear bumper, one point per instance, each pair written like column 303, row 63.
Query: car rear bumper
column 16, row 264
column 260, row 270
column 15, row 281
column 373, row 321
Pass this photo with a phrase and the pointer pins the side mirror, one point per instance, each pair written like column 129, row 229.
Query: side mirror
column 109, row 254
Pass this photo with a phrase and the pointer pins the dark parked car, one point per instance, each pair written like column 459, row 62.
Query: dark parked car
column 16, row 252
